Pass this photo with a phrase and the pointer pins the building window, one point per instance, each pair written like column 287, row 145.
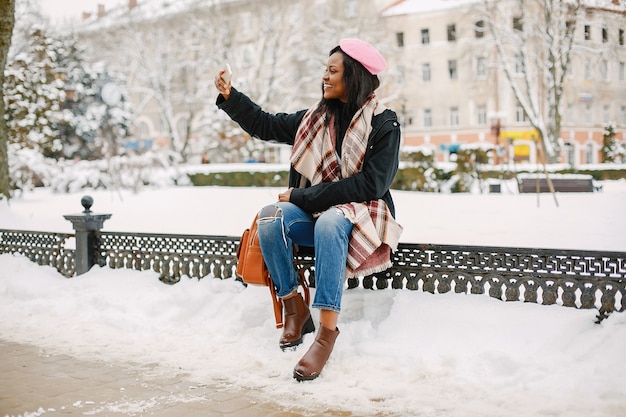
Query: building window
column 587, row 32
column 400, row 39
column 451, row 33
column 589, row 153
column 604, row 70
column 425, row 37
column 482, row 115
column 622, row 116
column 569, row 114
column 605, row 35
column 606, row 113
column 570, row 149
column 518, row 24
column 481, row 67
column 620, row 72
column 182, row 126
column 351, row 8
column 479, row 29
column 143, row 130
column 246, row 24
column 520, row 115
column 452, row 69
column 428, row 118
column 426, row 72
column 321, row 11
column 407, row 116
column 519, row 64
column 569, row 70
column 588, row 114
column 621, row 37
column 454, row 116
column 587, row 69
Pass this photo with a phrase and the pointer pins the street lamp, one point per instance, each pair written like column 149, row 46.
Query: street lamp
column 111, row 95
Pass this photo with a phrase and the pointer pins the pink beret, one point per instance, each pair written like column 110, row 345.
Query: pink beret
column 365, row 53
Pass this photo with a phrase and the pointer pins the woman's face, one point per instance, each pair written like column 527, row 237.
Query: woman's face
column 333, row 85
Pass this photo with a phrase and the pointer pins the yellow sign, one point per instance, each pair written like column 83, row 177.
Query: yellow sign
column 519, row 134
column 520, row 150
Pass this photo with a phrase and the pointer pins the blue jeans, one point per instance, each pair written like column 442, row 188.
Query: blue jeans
column 283, row 224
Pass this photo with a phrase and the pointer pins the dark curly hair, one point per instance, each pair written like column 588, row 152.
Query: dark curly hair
column 360, row 85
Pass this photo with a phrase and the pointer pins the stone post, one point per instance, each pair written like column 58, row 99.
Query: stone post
column 86, row 225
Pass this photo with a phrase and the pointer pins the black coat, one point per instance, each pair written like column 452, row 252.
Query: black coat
column 380, row 163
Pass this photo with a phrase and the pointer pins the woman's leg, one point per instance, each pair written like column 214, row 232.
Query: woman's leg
column 332, row 234
column 281, row 225
column 328, row 319
column 331, row 237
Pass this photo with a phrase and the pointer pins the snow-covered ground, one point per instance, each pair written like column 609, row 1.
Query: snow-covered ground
column 592, row 221
column 399, row 353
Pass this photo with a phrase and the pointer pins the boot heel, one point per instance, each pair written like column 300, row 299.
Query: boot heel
column 309, row 326
column 298, row 322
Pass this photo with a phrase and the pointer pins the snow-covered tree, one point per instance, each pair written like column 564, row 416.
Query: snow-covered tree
column 535, row 40
column 33, row 93
column 92, row 128
column 612, row 152
column 55, row 101
column 7, row 21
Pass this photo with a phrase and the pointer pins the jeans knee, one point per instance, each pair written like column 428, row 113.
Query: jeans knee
column 270, row 214
column 331, row 222
column 271, row 228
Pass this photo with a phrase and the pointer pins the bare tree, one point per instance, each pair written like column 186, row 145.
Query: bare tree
column 535, row 40
column 169, row 63
column 7, row 21
column 276, row 51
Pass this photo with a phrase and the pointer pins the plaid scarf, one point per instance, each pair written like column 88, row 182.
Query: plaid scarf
column 375, row 233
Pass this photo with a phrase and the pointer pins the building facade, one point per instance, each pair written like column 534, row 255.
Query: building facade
column 445, row 77
column 169, row 53
column 454, row 90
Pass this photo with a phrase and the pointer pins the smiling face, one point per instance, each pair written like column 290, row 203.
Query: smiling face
column 333, row 85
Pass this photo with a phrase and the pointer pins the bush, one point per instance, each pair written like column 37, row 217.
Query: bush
column 242, row 179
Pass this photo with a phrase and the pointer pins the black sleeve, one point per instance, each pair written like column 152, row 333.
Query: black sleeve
column 280, row 127
column 373, row 182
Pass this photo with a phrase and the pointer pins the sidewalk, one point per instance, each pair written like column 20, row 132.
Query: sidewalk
column 35, row 383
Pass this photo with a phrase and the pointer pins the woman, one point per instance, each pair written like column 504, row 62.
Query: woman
column 344, row 159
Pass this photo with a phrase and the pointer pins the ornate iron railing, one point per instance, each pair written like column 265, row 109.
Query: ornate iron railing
column 580, row 279
column 44, row 248
column 172, row 256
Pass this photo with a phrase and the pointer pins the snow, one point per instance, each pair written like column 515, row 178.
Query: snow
column 400, row 353
column 64, row 10
column 421, row 6
column 506, row 219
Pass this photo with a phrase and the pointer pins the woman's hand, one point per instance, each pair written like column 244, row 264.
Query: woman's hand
column 284, row 196
column 222, row 86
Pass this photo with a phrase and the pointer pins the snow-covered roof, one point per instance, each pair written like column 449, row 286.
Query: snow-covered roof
column 147, row 10
column 423, row 6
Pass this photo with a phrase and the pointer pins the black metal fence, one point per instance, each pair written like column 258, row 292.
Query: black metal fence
column 44, row 248
column 579, row 279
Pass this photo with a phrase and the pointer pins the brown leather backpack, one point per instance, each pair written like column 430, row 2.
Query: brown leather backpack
column 252, row 270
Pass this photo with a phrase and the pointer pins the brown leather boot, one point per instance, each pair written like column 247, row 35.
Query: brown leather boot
column 312, row 363
column 298, row 322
